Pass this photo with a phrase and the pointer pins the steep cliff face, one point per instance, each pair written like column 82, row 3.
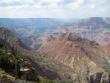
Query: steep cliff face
column 83, row 56
column 24, row 55
column 11, row 38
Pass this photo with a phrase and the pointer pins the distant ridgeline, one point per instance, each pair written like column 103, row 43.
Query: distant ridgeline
column 32, row 30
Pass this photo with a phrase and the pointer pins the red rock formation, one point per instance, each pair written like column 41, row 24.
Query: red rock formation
column 83, row 56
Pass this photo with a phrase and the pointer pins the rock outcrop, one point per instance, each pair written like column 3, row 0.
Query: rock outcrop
column 83, row 56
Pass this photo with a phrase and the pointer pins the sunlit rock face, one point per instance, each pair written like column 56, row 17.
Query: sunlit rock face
column 85, row 57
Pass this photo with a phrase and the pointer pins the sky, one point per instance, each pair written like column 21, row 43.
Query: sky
column 54, row 8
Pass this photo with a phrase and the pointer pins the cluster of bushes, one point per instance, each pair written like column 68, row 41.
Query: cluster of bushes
column 6, row 59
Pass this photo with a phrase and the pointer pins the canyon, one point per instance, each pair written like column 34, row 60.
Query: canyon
column 76, row 51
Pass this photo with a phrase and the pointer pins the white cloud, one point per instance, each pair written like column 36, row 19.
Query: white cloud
column 54, row 8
